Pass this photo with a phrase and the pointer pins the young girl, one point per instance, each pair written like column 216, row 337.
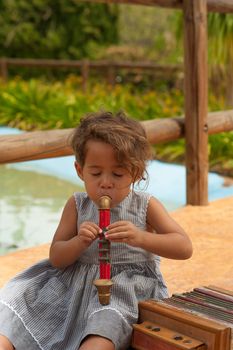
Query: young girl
column 54, row 305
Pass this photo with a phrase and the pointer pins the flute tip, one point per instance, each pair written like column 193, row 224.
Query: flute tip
column 105, row 202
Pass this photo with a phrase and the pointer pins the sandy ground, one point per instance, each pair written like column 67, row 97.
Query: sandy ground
column 211, row 230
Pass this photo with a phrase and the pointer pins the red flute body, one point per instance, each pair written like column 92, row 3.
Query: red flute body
column 104, row 244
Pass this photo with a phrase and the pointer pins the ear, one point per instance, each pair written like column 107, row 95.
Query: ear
column 79, row 170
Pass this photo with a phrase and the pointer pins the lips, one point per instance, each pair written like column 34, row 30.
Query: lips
column 107, row 194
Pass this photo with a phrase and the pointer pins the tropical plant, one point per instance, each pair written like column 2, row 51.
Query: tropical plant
column 55, row 29
column 220, row 52
column 220, row 33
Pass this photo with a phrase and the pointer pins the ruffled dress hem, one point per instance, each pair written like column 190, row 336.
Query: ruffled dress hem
column 19, row 336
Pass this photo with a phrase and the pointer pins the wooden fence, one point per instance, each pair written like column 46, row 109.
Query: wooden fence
column 108, row 69
column 196, row 125
column 220, row 6
column 55, row 143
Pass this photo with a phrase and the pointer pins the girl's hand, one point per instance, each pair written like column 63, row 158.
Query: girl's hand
column 88, row 232
column 124, row 232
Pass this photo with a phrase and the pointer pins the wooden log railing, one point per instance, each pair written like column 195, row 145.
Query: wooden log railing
column 222, row 6
column 34, row 62
column 55, row 143
column 108, row 68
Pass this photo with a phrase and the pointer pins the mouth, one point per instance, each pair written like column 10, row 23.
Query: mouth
column 104, row 194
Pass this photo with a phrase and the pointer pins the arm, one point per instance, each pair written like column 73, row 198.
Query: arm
column 68, row 244
column 170, row 240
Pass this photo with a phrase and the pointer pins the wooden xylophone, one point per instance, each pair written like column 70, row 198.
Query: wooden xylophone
column 198, row 320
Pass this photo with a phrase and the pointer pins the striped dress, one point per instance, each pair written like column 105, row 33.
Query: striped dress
column 55, row 309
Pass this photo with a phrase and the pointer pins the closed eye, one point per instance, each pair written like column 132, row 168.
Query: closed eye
column 117, row 175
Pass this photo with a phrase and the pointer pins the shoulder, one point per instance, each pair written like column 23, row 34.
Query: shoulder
column 141, row 197
column 155, row 204
column 69, row 209
column 159, row 218
column 156, row 210
column 140, row 201
column 78, row 196
column 82, row 200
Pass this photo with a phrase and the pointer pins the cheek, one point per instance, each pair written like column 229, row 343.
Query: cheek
column 91, row 184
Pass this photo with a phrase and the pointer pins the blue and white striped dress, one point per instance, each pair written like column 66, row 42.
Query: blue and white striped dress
column 55, row 309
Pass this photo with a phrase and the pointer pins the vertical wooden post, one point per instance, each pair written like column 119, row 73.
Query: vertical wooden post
column 85, row 74
column 196, row 100
column 111, row 75
column 3, row 69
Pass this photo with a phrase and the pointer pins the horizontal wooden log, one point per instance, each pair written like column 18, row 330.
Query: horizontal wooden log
column 222, row 6
column 51, row 63
column 55, row 143
column 171, row 129
column 177, row 4
column 35, row 145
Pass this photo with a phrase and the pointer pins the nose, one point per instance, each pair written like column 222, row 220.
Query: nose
column 106, row 182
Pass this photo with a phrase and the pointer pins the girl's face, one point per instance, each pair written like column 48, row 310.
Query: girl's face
column 102, row 173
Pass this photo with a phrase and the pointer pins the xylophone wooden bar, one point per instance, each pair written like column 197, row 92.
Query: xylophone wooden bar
column 204, row 314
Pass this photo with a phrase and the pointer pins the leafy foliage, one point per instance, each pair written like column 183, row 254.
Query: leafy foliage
column 220, row 32
column 154, row 36
column 37, row 104
column 220, row 52
column 55, row 29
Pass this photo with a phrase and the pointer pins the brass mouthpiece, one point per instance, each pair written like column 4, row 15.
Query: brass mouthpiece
column 105, row 202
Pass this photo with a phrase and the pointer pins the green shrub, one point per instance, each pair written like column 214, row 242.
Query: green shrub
column 55, row 29
column 37, row 104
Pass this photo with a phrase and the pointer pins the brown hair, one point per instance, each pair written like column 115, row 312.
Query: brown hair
column 125, row 135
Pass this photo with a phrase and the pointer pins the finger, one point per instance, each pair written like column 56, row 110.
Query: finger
column 117, row 224
column 88, row 232
column 94, row 229
column 118, row 240
column 115, row 229
column 90, row 224
column 116, row 236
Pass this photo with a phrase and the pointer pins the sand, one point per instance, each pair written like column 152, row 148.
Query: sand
column 211, row 231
